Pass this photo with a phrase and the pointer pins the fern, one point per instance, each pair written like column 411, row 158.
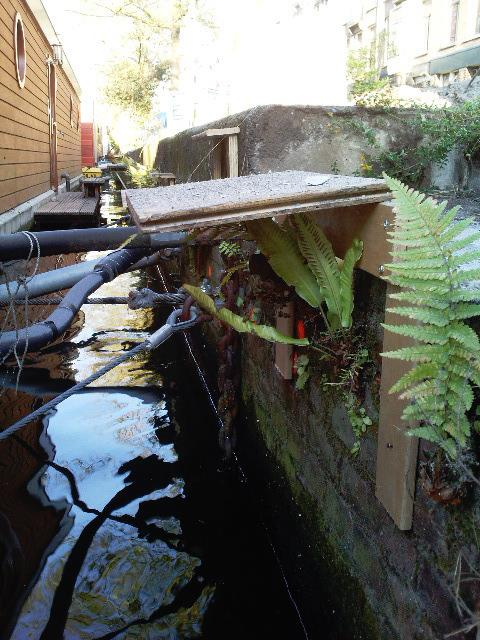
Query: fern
column 229, row 249
column 278, row 246
column 240, row 324
column 318, row 252
column 433, row 260
column 322, row 279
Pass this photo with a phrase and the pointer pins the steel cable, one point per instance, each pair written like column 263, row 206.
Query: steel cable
column 152, row 342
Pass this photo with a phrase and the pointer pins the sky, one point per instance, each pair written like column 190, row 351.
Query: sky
column 273, row 58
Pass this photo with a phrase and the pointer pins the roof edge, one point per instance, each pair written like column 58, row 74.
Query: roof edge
column 40, row 13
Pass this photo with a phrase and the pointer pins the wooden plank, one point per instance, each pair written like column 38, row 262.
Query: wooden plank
column 244, row 216
column 14, row 156
column 215, row 133
column 14, row 142
column 232, row 200
column 217, row 162
column 366, row 222
column 17, row 129
column 14, row 199
column 232, row 156
column 28, row 93
column 397, row 453
column 9, row 172
column 31, row 117
column 68, row 203
column 285, row 323
column 8, row 187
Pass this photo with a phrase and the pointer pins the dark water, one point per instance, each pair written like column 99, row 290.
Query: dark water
column 118, row 518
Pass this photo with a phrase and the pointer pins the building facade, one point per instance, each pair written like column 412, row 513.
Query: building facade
column 419, row 42
column 39, row 107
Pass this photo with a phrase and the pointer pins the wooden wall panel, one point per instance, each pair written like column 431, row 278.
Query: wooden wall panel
column 24, row 125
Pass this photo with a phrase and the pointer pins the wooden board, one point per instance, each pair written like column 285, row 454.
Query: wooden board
column 397, row 453
column 216, row 133
column 285, row 323
column 69, row 206
column 214, row 202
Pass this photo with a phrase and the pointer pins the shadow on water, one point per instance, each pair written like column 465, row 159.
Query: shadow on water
column 117, row 517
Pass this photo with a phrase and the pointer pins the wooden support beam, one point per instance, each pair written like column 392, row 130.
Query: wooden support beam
column 397, row 453
column 217, row 162
column 232, row 156
column 217, row 133
column 285, row 323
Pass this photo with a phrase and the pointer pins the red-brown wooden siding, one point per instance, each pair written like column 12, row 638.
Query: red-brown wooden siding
column 24, row 139
column 88, row 154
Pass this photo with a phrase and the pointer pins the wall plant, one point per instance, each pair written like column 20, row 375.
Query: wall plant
column 303, row 257
column 436, row 264
column 238, row 323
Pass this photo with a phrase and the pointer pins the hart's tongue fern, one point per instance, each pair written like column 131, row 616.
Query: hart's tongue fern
column 438, row 296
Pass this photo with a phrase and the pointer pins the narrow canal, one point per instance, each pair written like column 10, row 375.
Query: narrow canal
column 117, row 517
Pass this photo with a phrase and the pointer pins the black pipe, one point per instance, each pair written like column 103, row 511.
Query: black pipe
column 40, row 334
column 17, row 246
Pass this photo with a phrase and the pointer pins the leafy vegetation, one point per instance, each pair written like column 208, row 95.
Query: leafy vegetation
column 437, row 273
column 303, row 371
column 367, row 88
column 238, row 323
column 229, row 249
column 440, row 130
column 131, row 85
column 319, row 280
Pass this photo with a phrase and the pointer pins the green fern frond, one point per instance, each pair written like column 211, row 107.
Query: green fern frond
column 417, row 374
column 318, row 252
column 285, row 259
column 351, row 258
column 437, row 278
column 240, row 324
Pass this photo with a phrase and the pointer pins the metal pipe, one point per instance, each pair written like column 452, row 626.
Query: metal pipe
column 17, row 246
column 40, row 334
column 59, row 279
column 67, row 181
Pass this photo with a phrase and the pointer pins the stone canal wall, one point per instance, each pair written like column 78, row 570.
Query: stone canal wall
column 346, row 559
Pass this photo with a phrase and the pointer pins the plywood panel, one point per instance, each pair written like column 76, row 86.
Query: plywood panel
column 233, row 200
column 366, row 222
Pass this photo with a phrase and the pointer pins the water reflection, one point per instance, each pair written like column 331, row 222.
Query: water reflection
column 114, row 519
column 113, row 566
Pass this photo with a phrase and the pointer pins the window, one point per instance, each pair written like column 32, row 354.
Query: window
column 454, row 22
column 354, row 36
column 72, row 124
column 424, row 33
column 20, row 52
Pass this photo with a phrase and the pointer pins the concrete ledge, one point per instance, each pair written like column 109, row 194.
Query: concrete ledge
column 21, row 217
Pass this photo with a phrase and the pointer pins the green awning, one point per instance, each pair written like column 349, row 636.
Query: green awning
column 457, row 60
